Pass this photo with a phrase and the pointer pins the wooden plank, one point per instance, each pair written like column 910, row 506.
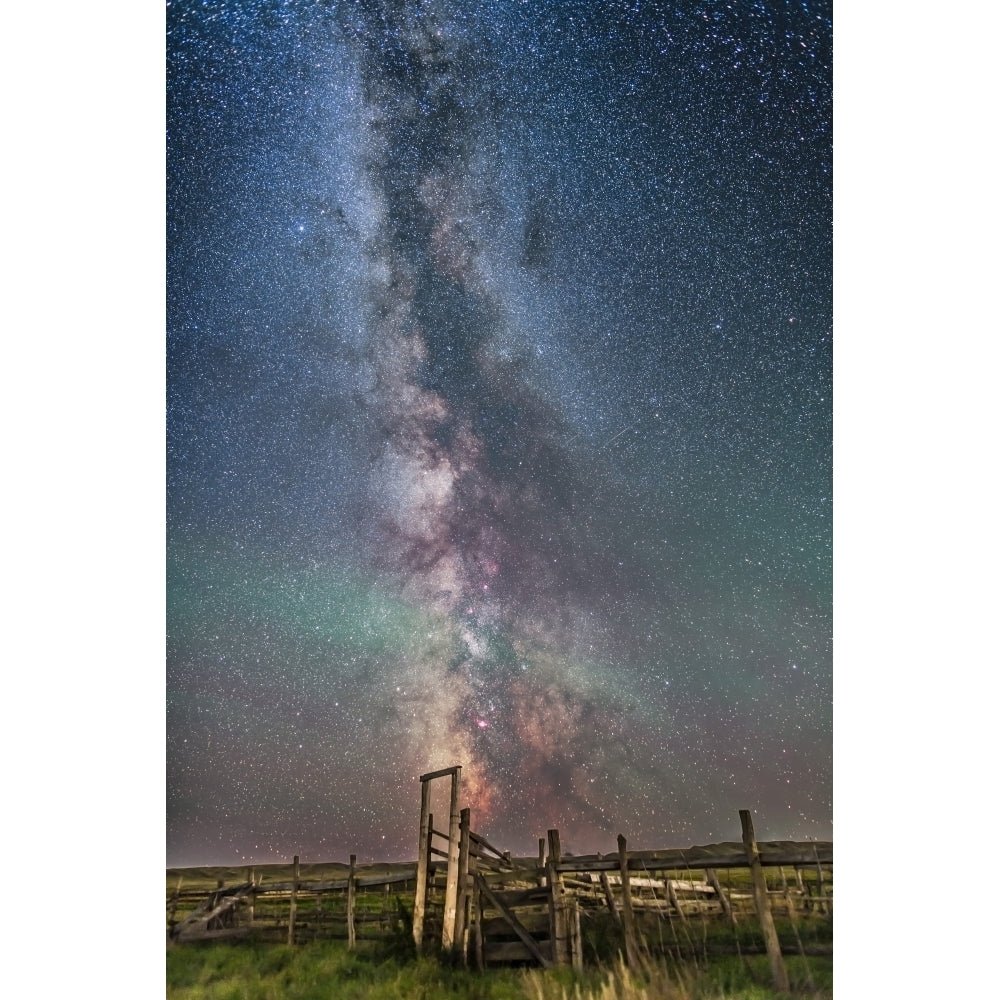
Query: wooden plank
column 216, row 933
column 423, row 844
column 724, row 855
column 217, row 905
column 291, row 908
column 534, row 921
column 351, row 898
column 557, row 898
column 674, row 901
column 628, row 919
column 779, row 975
column 335, row 885
column 609, row 898
column 462, row 907
column 498, row 904
column 727, row 909
column 575, row 936
column 506, row 952
column 480, row 841
column 431, row 775
column 517, row 897
column 478, row 902
column 448, row 925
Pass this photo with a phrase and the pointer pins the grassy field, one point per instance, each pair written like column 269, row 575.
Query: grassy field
column 695, row 959
column 326, row 970
column 707, row 963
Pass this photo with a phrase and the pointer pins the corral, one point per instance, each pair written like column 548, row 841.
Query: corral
column 483, row 907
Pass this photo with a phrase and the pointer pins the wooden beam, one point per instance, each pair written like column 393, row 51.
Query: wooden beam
column 431, row 775
column 480, row 841
column 448, row 926
column 725, row 855
column 609, row 898
column 557, row 903
column 217, row 905
column 423, row 844
column 351, row 898
column 575, row 936
column 291, row 903
column 727, row 909
column 462, row 909
column 674, row 901
column 628, row 918
column 779, row 975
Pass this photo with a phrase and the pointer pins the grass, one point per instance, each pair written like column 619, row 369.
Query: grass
column 701, row 958
column 326, row 970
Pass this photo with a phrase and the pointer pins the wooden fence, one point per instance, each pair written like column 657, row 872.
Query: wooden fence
column 472, row 900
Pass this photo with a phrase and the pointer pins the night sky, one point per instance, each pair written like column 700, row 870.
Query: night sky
column 499, row 374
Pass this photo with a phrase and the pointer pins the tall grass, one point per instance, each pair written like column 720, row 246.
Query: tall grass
column 326, row 970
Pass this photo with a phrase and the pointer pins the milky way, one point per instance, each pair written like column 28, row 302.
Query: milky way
column 499, row 374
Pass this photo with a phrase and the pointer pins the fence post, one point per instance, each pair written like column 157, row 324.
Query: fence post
column 351, row 896
column 727, row 909
column 628, row 918
column 251, row 895
column 423, row 849
column 779, row 975
column 557, row 904
column 464, row 892
column 292, row 900
column 674, row 901
column 609, row 898
column 450, row 923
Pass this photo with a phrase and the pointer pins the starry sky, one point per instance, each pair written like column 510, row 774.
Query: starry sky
column 499, row 374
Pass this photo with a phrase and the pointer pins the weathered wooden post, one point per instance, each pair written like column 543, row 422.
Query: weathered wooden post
column 219, row 921
column 464, row 892
column 779, row 975
column 292, row 900
column 575, row 936
column 476, row 905
column 798, row 881
column 251, row 895
column 727, row 909
column 558, row 931
column 479, row 943
column 351, row 897
column 674, row 901
column 448, row 927
column 628, row 918
column 423, row 852
column 429, row 890
column 609, row 898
